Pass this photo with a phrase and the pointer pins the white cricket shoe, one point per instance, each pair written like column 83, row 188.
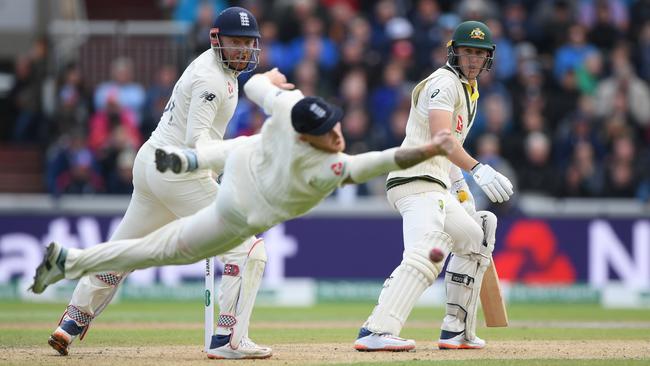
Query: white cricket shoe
column 368, row 341
column 51, row 268
column 453, row 340
column 175, row 159
column 64, row 334
column 221, row 349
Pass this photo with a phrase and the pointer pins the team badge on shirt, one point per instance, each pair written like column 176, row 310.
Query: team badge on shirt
column 337, row 168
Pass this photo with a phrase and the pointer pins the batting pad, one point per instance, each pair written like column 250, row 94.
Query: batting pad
column 406, row 284
column 463, row 284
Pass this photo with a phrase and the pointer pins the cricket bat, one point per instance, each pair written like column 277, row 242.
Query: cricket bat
column 494, row 309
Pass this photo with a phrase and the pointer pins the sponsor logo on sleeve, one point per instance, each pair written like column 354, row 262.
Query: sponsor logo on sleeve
column 435, row 92
column 207, row 96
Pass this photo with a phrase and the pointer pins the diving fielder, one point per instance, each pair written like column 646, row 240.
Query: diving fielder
column 293, row 165
column 432, row 216
column 198, row 111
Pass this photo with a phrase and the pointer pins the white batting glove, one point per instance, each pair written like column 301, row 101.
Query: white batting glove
column 495, row 185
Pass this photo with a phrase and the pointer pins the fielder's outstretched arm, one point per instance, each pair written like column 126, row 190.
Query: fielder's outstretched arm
column 364, row 167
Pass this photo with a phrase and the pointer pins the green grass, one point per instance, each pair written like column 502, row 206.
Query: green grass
column 423, row 326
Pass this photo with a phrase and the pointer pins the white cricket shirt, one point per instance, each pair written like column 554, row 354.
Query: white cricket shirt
column 443, row 89
column 202, row 103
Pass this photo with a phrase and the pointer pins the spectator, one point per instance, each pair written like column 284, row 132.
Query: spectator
column 158, row 95
column 129, row 94
column 572, row 54
column 71, row 167
column 105, row 124
column 624, row 93
column 537, row 174
column 385, row 98
column 583, row 177
column 120, row 180
column 199, row 36
column 313, row 45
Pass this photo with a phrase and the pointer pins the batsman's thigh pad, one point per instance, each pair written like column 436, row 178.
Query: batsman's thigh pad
column 463, row 284
column 422, row 214
column 463, row 228
column 406, row 284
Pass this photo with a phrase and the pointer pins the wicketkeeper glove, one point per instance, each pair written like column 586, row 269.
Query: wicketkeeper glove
column 495, row 185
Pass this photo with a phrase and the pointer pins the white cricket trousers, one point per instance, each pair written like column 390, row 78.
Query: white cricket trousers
column 437, row 210
column 157, row 199
column 212, row 231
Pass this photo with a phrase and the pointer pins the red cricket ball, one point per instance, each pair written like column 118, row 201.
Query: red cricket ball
column 436, row 255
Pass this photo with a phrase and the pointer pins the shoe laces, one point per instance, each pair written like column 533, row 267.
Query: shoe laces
column 388, row 335
column 247, row 343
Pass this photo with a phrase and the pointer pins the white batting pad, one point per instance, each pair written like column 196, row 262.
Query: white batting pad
column 406, row 284
column 463, row 284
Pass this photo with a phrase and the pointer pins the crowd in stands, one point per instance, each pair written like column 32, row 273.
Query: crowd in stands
column 565, row 111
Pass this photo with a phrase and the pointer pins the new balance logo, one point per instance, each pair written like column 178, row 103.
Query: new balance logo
column 243, row 18
column 207, row 96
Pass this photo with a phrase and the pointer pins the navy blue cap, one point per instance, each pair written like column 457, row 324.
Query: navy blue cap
column 237, row 22
column 314, row 116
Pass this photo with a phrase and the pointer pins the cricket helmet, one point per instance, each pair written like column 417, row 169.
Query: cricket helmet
column 236, row 22
column 471, row 34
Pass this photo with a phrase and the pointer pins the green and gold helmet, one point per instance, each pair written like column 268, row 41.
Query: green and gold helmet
column 471, row 34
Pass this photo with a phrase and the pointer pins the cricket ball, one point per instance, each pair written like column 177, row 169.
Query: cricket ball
column 436, row 255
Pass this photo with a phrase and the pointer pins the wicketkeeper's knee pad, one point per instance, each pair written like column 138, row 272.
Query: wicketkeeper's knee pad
column 242, row 276
column 406, row 284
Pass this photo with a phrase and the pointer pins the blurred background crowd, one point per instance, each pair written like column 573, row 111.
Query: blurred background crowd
column 565, row 111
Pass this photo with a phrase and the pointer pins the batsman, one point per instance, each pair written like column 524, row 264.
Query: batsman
column 433, row 217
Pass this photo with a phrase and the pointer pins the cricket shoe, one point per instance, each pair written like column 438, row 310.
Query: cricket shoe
column 456, row 340
column 61, row 338
column 51, row 268
column 368, row 341
column 175, row 159
column 220, row 349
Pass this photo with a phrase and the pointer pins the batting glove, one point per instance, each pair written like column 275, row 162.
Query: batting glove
column 495, row 185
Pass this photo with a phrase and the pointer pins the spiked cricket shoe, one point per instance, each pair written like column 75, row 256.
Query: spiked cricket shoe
column 368, row 341
column 61, row 338
column 175, row 159
column 456, row 340
column 247, row 349
column 51, row 268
